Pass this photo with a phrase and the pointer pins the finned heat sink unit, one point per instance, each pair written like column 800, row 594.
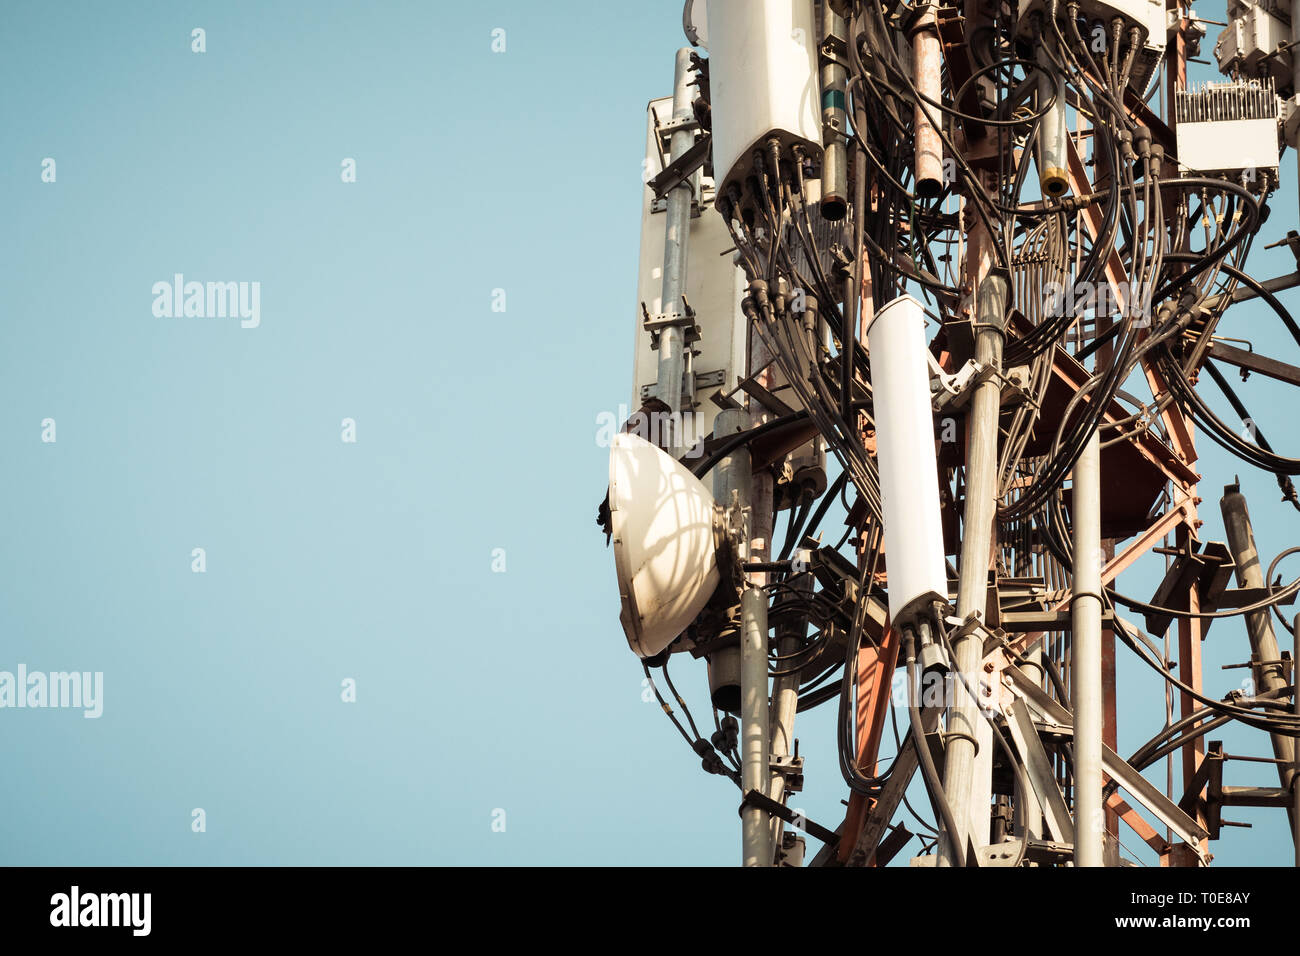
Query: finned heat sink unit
column 1230, row 129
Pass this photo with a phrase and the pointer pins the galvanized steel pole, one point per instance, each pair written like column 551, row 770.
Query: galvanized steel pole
column 1085, row 658
column 785, row 693
column 755, row 710
column 672, row 339
column 732, row 487
column 1266, row 658
column 964, row 719
column 754, row 740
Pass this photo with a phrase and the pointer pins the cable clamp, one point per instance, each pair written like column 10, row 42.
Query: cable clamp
column 960, row 735
column 761, row 801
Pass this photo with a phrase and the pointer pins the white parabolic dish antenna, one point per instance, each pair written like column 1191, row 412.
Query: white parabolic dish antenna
column 661, row 516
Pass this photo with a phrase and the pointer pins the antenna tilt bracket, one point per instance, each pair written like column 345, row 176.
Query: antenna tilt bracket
column 791, row 769
column 685, row 320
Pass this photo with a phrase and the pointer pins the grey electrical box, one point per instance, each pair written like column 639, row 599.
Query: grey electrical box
column 1254, row 41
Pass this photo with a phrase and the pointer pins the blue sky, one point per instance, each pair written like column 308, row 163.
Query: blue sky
column 477, row 691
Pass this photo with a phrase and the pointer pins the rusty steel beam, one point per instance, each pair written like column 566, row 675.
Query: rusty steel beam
column 926, row 61
column 1145, row 831
column 874, row 681
column 1255, row 362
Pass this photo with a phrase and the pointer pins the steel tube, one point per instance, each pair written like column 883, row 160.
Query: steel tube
column 928, row 147
column 835, row 169
column 1085, row 659
column 672, row 360
column 754, row 742
column 731, row 475
column 1053, row 178
column 965, row 724
column 785, row 696
column 1266, row 658
column 755, row 727
column 731, row 486
column 1028, row 811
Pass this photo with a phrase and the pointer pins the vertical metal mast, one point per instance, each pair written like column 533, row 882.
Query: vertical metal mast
column 672, row 338
column 785, row 697
column 732, row 488
column 755, row 712
column 755, row 828
column 965, row 724
column 1085, row 658
column 1266, row 658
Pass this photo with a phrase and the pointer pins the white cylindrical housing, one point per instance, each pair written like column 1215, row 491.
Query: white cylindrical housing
column 1053, row 176
column 909, row 474
column 762, row 81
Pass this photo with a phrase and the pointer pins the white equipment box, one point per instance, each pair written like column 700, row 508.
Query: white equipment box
column 1230, row 128
column 762, row 81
